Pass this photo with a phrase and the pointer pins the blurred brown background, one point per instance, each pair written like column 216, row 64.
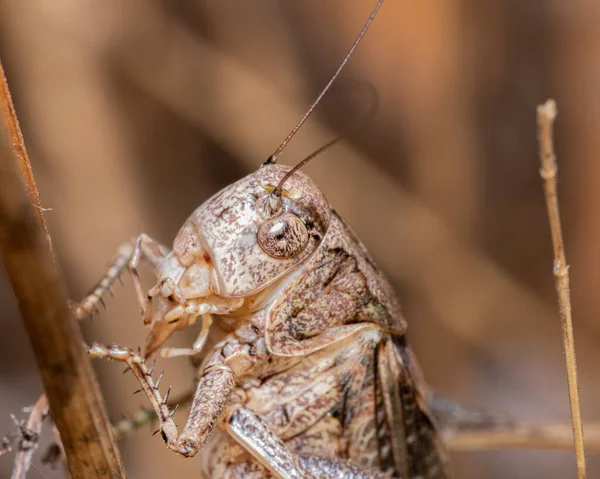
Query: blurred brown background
column 136, row 112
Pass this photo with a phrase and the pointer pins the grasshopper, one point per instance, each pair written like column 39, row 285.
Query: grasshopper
column 313, row 377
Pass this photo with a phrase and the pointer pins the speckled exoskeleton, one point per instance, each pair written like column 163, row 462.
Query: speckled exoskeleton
column 313, row 377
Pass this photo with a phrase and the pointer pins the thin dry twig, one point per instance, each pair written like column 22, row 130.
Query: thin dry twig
column 29, row 440
column 69, row 381
column 521, row 434
column 546, row 114
column 468, row 428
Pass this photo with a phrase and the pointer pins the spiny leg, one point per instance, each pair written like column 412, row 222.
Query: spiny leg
column 128, row 256
column 144, row 417
column 123, row 428
column 213, row 390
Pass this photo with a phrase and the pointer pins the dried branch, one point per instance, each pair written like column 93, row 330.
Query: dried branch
column 546, row 114
column 69, row 381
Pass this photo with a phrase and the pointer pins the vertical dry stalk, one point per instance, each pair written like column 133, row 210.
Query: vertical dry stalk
column 546, row 114
column 69, row 381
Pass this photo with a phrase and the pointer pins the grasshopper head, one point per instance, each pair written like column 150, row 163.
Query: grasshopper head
column 251, row 247
column 235, row 245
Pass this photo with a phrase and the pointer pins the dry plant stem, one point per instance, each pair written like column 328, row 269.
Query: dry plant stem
column 28, row 445
column 69, row 381
column 9, row 118
column 546, row 114
column 519, row 435
column 467, row 428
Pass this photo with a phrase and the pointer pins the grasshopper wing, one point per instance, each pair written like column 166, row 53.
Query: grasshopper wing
column 410, row 445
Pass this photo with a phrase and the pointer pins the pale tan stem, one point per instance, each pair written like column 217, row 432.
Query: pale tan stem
column 546, row 114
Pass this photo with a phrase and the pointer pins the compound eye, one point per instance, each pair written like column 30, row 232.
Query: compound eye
column 283, row 237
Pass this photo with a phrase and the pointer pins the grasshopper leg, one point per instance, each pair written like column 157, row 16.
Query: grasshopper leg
column 213, row 390
column 327, row 467
column 128, row 256
column 318, row 468
column 254, row 435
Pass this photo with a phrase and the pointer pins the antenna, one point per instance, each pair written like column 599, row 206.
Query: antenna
column 273, row 158
column 277, row 192
column 279, row 188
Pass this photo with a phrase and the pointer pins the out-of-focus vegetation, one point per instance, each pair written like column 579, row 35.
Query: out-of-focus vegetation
column 136, row 112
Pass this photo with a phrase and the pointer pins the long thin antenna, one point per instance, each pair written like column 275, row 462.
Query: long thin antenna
column 273, row 158
column 277, row 191
column 546, row 114
column 275, row 196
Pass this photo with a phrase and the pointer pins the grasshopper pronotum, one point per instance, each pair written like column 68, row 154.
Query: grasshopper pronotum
column 161, row 329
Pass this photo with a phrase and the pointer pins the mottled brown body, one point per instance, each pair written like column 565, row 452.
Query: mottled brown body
column 315, row 378
column 337, row 376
